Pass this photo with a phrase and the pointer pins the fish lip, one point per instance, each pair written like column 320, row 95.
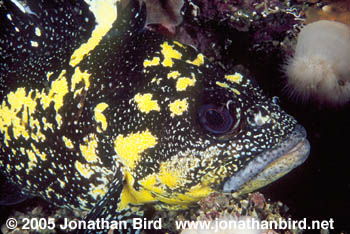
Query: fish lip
column 295, row 141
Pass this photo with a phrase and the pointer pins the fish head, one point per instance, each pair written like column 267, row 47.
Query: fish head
column 215, row 130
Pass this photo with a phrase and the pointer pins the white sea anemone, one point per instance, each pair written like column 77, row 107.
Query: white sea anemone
column 320, row 67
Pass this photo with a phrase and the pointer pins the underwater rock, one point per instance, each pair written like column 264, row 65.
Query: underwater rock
column 165, row 13
column 331, row 10
column 226, row 207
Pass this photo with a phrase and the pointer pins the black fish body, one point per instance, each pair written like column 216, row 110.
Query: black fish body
column 98, row 114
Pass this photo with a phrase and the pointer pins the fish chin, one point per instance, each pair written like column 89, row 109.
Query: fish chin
column 270, row 165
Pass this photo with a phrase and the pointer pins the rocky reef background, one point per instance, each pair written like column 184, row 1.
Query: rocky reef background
column 259, row 36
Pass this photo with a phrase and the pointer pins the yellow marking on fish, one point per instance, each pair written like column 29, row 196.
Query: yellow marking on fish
column 9, row 115
column 197, row 61
column 183, row 82
column 47, row 124
column 33, row 122
column 37, row 152
column 223, row 85
column 37, row 135
column 235, row 78
column 173, row 174
column 173, row 74
column 169, row 54
column 129, row 148
column 32, row 159
column 196, row 193
column 154, row 62
column 78, row 92
column 59, row 88
column 78, row 77
column 18, row 101
column 178, row 107
column 100, row 117
column 226, row 86
column 88, row 150
column 83, row 169
column 67, row 142
column 34, row 137
column 179, row 44
column 145, row 103
column 130, row 195
column 151, row 183
column 98, row 192
column 235, row 91
column 151, row 192
column 105, row 13
column 169, row 175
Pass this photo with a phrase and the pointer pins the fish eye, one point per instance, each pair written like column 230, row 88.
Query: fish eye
column 215, row 119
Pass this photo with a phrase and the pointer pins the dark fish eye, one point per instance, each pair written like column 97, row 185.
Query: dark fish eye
column 215, row 119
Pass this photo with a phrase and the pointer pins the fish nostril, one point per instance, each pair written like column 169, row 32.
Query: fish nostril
column 276, row 100
column 257, row 117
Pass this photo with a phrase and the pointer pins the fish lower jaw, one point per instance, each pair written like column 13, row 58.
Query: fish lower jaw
column 271, row 165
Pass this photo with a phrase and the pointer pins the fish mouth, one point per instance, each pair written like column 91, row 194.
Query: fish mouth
column 270, row 165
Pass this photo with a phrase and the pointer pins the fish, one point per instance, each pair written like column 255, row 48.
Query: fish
column 100, row 115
